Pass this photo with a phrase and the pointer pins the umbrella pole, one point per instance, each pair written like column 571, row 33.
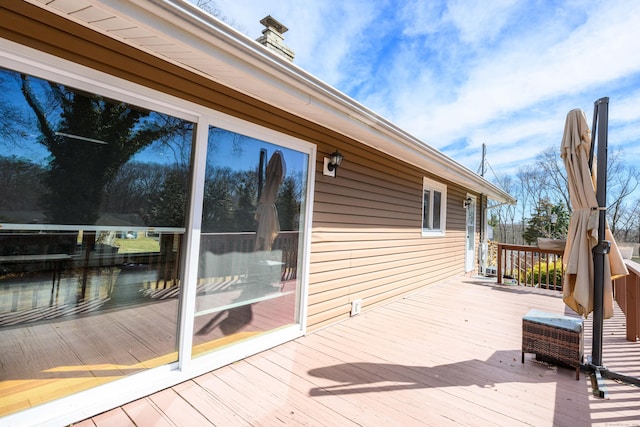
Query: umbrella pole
column 601, row 117
column 601, row 107
column 594, row 364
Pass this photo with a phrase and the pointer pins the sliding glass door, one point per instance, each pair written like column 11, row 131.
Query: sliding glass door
column 121, row 251
column 92, row 219
column 250, row 247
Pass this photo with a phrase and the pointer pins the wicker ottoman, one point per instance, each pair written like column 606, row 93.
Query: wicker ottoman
column 553, row 338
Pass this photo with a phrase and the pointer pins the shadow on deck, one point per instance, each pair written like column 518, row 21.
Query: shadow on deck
column 446, row 355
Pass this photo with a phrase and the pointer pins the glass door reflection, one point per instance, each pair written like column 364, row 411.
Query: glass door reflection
column 252, row 218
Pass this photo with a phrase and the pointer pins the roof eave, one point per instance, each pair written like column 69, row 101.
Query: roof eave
column 274, row 80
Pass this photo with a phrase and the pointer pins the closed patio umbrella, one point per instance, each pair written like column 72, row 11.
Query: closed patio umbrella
column 578, row 287
column 268, row 228
column 266, row 212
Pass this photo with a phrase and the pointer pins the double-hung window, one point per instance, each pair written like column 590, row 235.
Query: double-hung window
column 434, row 207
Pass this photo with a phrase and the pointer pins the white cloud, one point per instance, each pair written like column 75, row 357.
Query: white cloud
column 420, row 17
column 511, row 81
column 322, row 34
column 479, row 21
column 626, row 108
column 458, row 74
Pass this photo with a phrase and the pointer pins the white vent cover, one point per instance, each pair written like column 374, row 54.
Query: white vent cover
column 356, row 306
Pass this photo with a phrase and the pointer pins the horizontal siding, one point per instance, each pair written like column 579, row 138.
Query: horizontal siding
column 366, row 238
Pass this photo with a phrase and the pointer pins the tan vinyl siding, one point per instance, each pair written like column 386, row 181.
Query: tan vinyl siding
column 366, row 238
column 367, row 242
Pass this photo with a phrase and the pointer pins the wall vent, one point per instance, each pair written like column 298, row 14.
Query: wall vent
column 356, row 306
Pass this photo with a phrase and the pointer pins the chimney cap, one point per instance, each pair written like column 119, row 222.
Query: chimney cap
column 270, row 22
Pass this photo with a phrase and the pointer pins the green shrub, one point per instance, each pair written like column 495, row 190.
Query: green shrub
column 541, row 270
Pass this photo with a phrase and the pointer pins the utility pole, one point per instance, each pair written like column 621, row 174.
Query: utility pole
column 483, row 163
column 484, row 249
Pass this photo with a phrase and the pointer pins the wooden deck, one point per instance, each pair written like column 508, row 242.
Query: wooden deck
column 448, row 355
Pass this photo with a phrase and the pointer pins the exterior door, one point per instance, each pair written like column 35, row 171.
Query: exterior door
column 250, row 245
column 471, row 233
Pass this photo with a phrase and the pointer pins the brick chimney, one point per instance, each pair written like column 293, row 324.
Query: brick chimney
column 272, row 37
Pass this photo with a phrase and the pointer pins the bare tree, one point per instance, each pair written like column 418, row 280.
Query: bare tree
column 505, row 214
column 550, row 175
column 547, row 180
column 622, row 181
column 628, row 229
column 211, row 7
column 551, row 168
column 532, row 188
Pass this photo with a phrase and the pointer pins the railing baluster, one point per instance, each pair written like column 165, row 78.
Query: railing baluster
column 499, row 262
column 546, row 259
column 530, row 266
column 526, row 265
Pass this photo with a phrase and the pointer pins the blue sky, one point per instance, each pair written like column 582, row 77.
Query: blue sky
column 457, row 74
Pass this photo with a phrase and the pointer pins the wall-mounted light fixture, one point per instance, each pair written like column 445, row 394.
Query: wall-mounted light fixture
column 467, row 202
column 335, row 160
column 332, row 163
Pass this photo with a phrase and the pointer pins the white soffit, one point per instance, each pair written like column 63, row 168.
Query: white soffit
column 184, row 35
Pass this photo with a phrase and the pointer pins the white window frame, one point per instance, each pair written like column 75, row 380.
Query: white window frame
column 434, row 186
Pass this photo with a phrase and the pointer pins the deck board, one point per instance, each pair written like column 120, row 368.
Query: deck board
column 446, row 355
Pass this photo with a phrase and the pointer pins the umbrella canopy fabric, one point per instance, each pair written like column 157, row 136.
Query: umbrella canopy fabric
column 583, row 226
column 266, row 212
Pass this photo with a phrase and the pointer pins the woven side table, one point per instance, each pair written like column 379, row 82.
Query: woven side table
column 554, row 338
